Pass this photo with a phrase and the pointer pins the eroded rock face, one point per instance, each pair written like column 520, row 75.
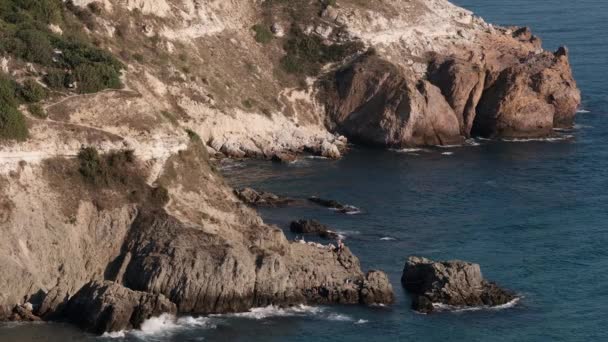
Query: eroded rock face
column 374, row 102
column 453, row 283
column 106, row 306
column 529, row 99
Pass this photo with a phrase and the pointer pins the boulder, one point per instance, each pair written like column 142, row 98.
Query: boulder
column 451, row 283
column 260, row 198
column 335, row 205
column 312, row 227
column 376, row 289
column 284, row 157
column 529, row 99
column 23, row 313
column 101, row 307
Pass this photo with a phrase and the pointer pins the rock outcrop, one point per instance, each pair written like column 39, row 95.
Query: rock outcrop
column 334, row 205
column 455, row 284
column 107, row 307
column 313, row 227
column 261, row 198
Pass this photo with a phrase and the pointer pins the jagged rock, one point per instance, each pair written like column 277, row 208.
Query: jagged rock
column 332, row 204
column 377, row 289
column 169, row 257
column 284, row 157
column 312, row 227
column 106, row 307
column 23, row 313
column 453, row 283
column 462, row 84
column 260, row 198
column 374, row 102
column 529, row 99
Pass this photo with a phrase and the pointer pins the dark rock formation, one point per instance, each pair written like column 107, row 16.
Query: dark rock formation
column 453, row 283
column 23, row 313
column 312, row 227
column 331, row 204
column 261, row 198
column 106, row 306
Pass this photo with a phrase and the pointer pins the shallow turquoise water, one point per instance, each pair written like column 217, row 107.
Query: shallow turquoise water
column 534, row 215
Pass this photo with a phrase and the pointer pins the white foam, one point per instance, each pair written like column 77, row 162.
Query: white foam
column 451, row 308
column 582, row 111
column 387, row 238
column 447, row 153
column 551, row 139
column 361, row 321
column 275, row 311
column 339, row 317
column 317, row 157
column 406, row 150
column 162, row 326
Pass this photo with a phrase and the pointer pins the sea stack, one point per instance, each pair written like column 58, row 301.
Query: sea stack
column 452, row 284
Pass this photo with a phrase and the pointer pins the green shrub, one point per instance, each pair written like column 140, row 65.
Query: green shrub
column 263, row 35
column 193, row 135
column 306, row 54
column 36, row 110
column 90, row 164
column 36, row 46
column 92, row 78
column 12, row 123
column 31, row 91
column 7, row 91
column 55, row 79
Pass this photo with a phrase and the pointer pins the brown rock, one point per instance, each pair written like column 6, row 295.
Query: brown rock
column 454, row 283
column 374, row 102
column 529, row 99
column 106, row 307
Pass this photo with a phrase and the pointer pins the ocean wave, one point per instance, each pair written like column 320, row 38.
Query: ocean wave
column 447, row 153
column 582, row 111
column 317, row 157
column 162, row 326
column 275, row 311
column 550, row 139
column 387, row 238
column 362, row 321
column 406, row 150
column 451, row 308
column 347, row 209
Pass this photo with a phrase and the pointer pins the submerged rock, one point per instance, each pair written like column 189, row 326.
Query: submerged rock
column 313, row 227
column 107, row 306
column 332, row 204
column 451, row 283
column 261, row 198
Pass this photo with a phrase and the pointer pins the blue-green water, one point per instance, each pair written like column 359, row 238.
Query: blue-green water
column 534, row 215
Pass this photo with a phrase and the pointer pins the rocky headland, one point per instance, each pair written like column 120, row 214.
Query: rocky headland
column 110, row 204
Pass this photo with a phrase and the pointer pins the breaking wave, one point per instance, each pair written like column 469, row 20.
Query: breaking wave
column 387, row 238
column 451, row 308
column 582, row 111
column 550, row 139
column 163, row 326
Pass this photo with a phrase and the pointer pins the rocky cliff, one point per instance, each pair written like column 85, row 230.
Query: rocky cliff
column 149, row 214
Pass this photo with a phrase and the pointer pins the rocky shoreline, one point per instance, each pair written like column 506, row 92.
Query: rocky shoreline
column 111, row 211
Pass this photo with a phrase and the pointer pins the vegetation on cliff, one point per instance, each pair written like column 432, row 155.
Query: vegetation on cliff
column 50, row 35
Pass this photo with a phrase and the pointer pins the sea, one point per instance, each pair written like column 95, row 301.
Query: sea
column 533, row 214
